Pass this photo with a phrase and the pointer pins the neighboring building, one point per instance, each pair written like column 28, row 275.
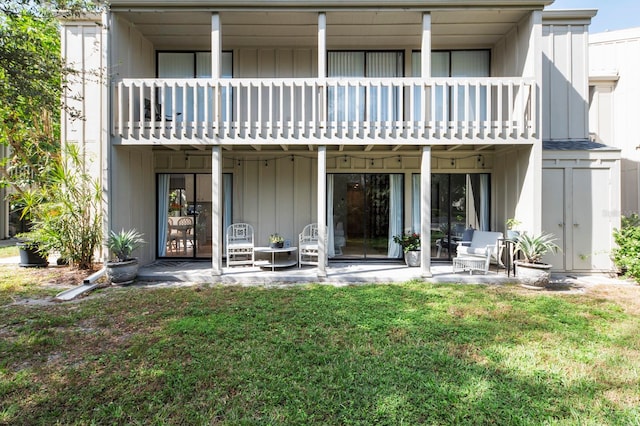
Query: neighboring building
column 614, row 80
column 367, row 117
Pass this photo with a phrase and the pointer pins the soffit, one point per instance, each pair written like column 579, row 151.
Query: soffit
column 465, row 28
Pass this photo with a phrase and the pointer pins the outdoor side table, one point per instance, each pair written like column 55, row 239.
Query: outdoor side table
column 277, row 262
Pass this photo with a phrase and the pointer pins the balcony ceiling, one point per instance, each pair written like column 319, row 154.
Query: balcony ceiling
column 451, row 29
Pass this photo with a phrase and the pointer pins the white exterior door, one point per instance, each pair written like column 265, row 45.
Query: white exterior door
column 553, row 217
column 576, row 208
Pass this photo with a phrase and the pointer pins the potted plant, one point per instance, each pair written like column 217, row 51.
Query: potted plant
column 410, row 244
column 531, row 271
column 32, row 252
column 512, row 231
column 124, row 269
column 276, row 241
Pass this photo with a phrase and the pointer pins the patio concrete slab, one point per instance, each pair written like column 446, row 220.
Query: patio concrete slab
column 337, row 273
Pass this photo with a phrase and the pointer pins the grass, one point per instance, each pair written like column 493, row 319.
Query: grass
column 9, row 251
column 387, row 354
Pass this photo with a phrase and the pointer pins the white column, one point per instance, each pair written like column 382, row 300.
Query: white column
column 425, row 211
column 216, row 210
column 322, row 45
column 425, row 52
column 216, row 46
column 322, row 211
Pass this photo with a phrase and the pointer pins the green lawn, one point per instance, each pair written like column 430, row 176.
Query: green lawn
column 378, row 354
column 9, row 251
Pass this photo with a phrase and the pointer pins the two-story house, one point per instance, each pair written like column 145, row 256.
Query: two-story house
column 368, row 117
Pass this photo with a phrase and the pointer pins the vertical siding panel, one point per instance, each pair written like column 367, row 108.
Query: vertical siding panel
column 285, row 202
column 284, row 63
column 267, row 195
column 580, row 94
column 266, row 63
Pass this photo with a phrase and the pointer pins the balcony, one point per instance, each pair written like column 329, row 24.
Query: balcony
column 330, row 111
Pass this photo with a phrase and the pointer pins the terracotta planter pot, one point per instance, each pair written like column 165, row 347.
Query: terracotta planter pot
column 412, row 258
column 121, row 273
column 533, row 275
column 30, row 257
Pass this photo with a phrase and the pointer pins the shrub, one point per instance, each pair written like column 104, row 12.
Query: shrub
column 627, row 256
column 65, row 211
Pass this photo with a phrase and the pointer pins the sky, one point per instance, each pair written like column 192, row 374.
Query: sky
column 612, row 14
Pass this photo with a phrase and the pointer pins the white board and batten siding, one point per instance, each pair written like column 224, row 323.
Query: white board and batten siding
column 614, row 71
column 565, row 94
column 82, row 46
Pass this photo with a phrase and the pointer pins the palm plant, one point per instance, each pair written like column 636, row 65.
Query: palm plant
column 534, row 247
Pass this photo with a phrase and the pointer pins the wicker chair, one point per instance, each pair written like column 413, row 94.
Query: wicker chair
column 240, row 245
column 308, row 245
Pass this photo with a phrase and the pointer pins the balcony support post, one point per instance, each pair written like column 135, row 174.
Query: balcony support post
column 322, row 45
column 216, row 206
column 425, row 57
column 322, row 211
column 216, row 46
column 425, row 212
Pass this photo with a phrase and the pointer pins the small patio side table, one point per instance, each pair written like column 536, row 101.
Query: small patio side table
column 276, row 263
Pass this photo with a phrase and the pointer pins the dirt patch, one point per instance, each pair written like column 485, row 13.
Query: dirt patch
column 627, row 296
column 65, row 276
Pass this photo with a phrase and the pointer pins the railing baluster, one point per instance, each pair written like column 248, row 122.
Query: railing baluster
column 131, row 89
column 478, row 111
column 292, row 121
column 488, row 131
column 510, row 108
column 120, row 104
column 500, row 102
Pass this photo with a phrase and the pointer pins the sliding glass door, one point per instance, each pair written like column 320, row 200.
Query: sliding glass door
column 184, row 214
column 364, row 212
column 458, row 202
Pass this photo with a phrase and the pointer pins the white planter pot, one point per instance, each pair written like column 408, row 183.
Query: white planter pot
column 412, row 258
column 121, row 273
column 533, row 275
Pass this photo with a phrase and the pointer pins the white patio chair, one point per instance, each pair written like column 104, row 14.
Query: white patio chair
column 308, row 245
column 476, row 255
column 240, row 246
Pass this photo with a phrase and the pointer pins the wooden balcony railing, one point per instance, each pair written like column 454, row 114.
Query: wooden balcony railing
column 307, row 110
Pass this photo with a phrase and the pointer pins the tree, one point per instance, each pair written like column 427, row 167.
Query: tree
column 51, row 188
column 31, row 74
column 32, row 77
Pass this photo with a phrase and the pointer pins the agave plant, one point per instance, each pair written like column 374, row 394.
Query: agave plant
column 123, row 243
column 534, row 247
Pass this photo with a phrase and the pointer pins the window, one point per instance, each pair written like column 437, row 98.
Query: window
column 456, row 63
column 351, row 103
column 189, row 65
